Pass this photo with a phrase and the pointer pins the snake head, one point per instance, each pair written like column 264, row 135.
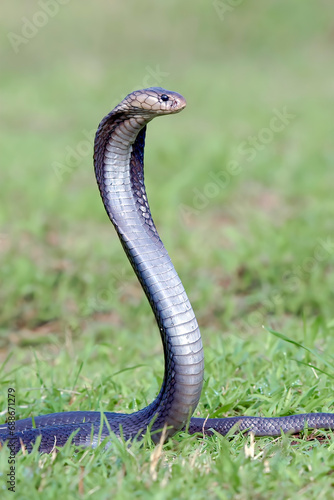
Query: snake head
column 153, row 101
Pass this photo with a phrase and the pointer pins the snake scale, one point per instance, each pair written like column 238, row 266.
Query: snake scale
column 118, row 161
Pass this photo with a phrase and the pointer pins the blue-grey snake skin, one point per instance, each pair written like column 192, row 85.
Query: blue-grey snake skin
column 118, row 160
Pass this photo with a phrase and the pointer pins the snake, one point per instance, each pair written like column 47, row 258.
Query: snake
column 119, row 170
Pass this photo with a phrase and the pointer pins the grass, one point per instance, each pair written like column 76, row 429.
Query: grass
column 253, row 248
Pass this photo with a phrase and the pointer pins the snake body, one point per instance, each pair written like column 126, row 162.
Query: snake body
column 118, row 160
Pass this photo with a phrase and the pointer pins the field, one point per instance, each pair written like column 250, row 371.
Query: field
column 241, row 189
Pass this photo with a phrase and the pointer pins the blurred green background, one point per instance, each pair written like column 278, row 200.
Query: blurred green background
column 64, row 66
column 244, row 205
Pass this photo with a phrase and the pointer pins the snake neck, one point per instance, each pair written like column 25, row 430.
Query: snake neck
column 118, row 158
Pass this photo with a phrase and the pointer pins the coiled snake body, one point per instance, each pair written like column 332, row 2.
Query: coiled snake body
column 118, row 160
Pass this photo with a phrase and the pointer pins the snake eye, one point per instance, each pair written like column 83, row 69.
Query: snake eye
column 164, row 97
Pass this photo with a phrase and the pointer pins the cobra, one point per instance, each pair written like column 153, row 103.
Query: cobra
column 118, row 160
